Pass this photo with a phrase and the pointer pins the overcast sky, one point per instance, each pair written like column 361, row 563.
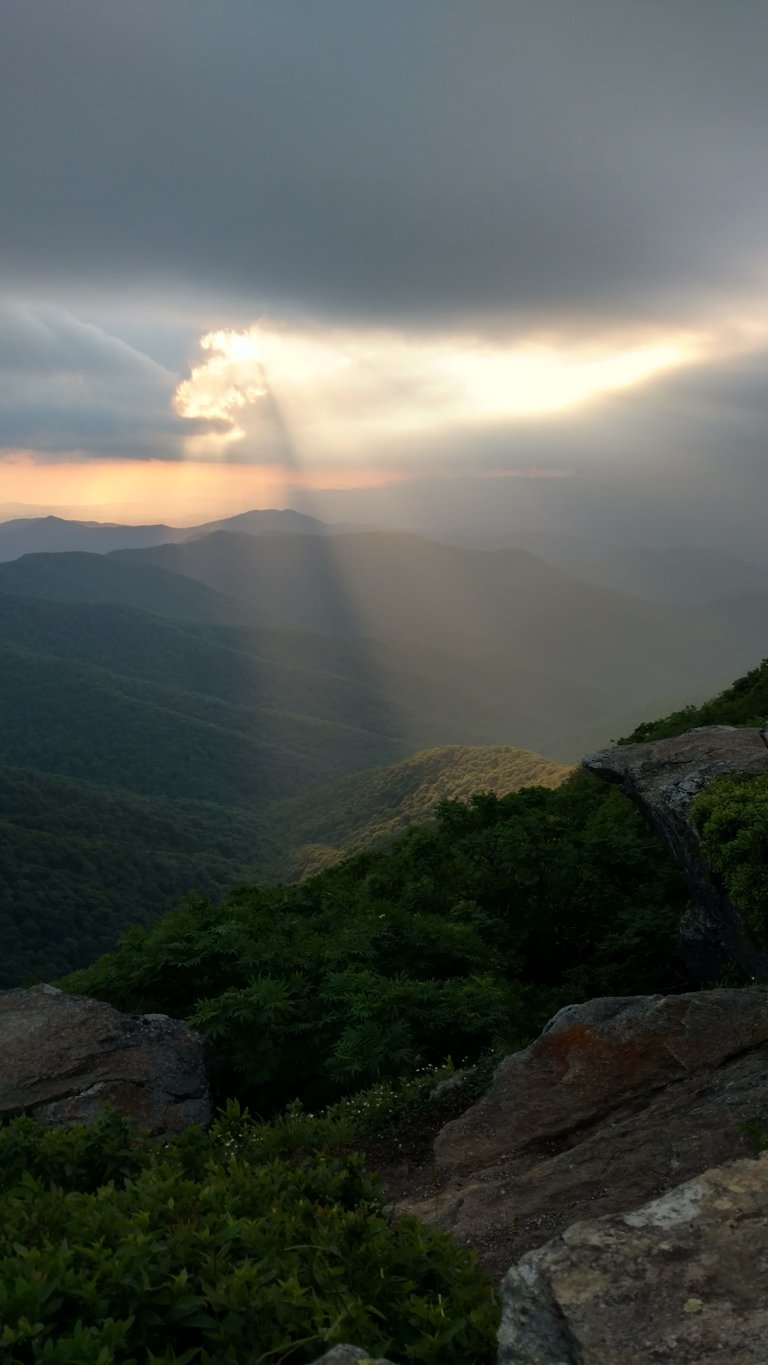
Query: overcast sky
column 397, row 243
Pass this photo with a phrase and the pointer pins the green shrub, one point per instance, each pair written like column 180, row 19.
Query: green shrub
column 731, row 816
column 83, row 1157
column 203, row 1253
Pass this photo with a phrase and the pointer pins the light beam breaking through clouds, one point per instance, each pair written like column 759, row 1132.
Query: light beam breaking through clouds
column 346, row 391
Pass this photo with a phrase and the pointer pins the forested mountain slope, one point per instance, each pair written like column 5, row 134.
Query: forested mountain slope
column 82, row 721
column 80, row 863
column 94, row 578
column 420, row 696
column 452, row 939
column 169, row 713
column 458, row 694
column 359, row 811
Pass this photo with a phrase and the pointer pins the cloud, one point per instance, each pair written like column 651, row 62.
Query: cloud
column 316, row 394
column 389, row 160
column 67, row 386
column 453, row 192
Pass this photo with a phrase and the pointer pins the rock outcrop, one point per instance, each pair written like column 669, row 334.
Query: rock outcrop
column 617, row 1102
column 682, row 1280
column 63, row 1058
column 663, row 779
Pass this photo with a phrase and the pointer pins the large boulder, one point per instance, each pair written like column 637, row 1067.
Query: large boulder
column 617, row 1101
column 663, row 779
column 683, row 1280
column 64, row 1058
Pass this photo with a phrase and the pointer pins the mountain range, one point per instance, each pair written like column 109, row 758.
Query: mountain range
column 484, row 646
column 678, row 576
column 250, row 704
column 51, row 535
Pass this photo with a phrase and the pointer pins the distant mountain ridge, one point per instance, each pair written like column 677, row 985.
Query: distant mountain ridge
column 514, row 615
column 54, row 535
column 540, row 658
column 676, row 576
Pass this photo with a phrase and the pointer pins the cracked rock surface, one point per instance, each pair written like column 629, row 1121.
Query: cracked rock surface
column 663, row 779
column 618, row 1101
column 63, row 1058
column 683, row 1280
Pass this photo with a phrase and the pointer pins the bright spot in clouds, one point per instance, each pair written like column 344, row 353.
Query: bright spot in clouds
column 349, row 393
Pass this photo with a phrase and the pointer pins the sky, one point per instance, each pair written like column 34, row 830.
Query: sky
column 491, row 264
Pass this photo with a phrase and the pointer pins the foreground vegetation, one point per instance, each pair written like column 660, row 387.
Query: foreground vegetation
column 115, row 1248
column 457, row 939
column 332, row 1006
column 731, row 816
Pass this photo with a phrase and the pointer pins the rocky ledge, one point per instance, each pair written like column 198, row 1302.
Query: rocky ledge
column 682, row 1280
column 663, row 779
column 64, row 1058
column 617, row 1102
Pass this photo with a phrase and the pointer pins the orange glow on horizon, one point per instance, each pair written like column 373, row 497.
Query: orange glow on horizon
column 180, row 492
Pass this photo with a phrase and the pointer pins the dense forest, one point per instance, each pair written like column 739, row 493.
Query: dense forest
column 80, row 862
column 456, row 940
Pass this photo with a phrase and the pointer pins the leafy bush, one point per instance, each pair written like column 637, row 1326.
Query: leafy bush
column 201, row 1252
column 731, row 816
column 84, row 1157
column 456, row 940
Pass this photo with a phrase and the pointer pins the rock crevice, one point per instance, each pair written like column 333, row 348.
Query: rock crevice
column 663, row 779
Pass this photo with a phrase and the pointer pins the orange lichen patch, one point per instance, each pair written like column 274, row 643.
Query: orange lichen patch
column 579, row 1049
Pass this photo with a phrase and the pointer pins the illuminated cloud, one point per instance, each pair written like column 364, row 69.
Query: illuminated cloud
column 355, row 393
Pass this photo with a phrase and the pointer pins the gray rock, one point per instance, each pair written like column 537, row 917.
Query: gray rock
column 348, row 1355
column 682, row 1280
column 64, row 1058
column 449, row 1085
column 663, row 779
column 617, row 1102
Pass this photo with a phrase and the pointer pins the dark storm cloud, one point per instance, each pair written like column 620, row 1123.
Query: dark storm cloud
column 388, row 158
column 67, row 386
